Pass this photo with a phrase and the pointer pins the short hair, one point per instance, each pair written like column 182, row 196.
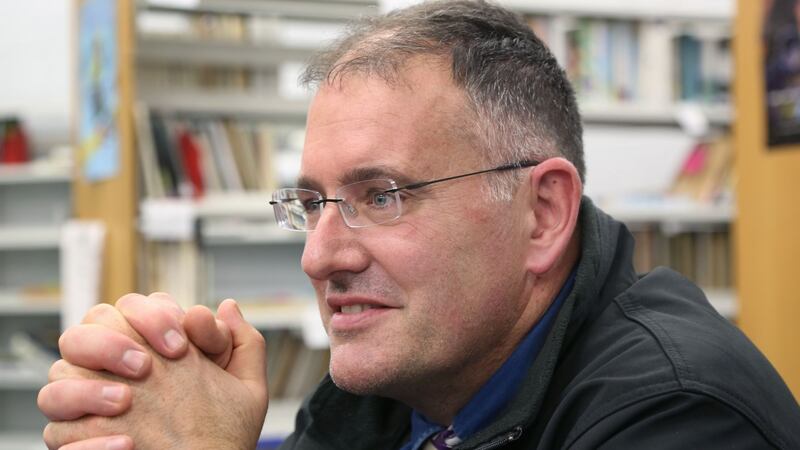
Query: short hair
column 524, row 105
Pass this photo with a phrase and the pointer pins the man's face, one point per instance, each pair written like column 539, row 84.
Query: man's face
column 443, row 284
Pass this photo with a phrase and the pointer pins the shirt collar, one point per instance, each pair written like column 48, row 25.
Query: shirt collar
column 495, row 394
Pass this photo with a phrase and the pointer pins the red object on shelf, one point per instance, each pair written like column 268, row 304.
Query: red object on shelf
column 14, row 145
column 190, row 155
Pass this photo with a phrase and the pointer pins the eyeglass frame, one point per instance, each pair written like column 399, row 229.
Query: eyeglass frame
column 323, row 200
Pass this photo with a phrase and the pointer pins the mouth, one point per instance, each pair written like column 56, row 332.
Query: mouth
column 355, row 314
column 356, row 309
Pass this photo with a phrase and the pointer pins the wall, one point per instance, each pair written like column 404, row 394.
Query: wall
column 35, row 50
column 767, row 240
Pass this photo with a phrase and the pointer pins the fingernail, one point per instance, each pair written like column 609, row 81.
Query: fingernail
column 238, row 310
column 113, row 393
column 134, row 360
column 174, row 340
column 117, row 443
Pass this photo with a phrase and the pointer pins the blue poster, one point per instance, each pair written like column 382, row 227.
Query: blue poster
column 98, row 140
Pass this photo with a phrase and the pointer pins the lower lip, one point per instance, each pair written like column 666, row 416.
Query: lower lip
column 352, row 322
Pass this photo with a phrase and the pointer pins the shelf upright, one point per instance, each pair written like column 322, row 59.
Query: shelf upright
column 112, row 200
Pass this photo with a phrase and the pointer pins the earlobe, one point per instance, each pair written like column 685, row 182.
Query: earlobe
column 555, row 197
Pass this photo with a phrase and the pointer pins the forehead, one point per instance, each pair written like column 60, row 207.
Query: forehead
column 360, row 126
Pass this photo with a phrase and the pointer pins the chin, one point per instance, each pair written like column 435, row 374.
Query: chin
column 361, row 375
column 355, row 380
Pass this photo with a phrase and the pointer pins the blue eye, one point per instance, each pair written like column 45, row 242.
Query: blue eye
column 381, row 199
column 311, row 206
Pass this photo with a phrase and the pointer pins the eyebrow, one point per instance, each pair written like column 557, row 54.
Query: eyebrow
column 358, row 174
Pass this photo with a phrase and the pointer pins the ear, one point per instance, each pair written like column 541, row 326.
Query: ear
column 555, row 199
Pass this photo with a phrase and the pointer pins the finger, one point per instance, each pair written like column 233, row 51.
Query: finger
column 64, row 370
column 210, row 335
column 118, row 442
column 249, row 357
column 97, row 347
column 70, row 399
column 157, row 318
column 58, row 434
column 108, row 316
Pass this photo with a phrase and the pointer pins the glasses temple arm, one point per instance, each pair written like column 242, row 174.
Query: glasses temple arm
column 511, row 166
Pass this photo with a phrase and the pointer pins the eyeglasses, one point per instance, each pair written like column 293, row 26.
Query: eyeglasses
column 362, row 204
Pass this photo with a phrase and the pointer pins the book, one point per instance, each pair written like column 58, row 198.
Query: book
column 152, row 183
column 190, row 158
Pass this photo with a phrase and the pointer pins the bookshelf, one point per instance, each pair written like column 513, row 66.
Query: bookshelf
column 706, row 10
column 224, row 87
column 643, row 73
column 219, row 69
column 689, row 236
column 35, row 201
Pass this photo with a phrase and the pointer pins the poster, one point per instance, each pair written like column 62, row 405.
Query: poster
column 98, row 139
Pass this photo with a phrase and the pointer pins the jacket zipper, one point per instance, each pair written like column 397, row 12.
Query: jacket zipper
column 502, row 440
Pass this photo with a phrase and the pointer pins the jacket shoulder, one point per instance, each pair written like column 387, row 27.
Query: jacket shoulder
column 660, row 342
column 708, row 355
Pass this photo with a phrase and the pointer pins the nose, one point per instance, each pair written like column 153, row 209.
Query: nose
column 333, row 247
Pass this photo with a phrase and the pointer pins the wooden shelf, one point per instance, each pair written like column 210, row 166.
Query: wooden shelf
column 280, row 418
column 174, row 218
column 669, row 211
column 720, row 10
column 33, row 173
column 200, row 52
column 300, row 315
column 278, row 316
column 724, row 301
column 242, row 204
column 20, row 440
column 637, row 113
column 339, row 10
column 22, row 378
column 227, row 104
column 247, row 233
column 13, row 305
column 29, row 237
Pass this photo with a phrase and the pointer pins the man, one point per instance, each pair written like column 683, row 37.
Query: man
column 472, row 297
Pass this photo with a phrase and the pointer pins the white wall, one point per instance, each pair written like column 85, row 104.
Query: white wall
column 35, row 67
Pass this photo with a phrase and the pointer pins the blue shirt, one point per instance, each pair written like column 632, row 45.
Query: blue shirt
column 498, row 391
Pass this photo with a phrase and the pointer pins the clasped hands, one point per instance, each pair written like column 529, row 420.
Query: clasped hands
column 145, row 374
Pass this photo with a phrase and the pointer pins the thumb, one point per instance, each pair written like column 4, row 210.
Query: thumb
column 249, row 355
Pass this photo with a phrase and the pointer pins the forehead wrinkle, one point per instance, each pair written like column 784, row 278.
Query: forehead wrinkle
column 372, row 172
column 357, row 174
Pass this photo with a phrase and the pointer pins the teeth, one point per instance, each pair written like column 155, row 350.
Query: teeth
column 355, row 309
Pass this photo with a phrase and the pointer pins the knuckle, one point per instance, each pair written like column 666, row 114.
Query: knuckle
column 98, row 312
column 168, row 301
column 70, row 340
column 48, row 435
column 64, row 339
column 160, row 295
column 58, row 370
column 43, row 397
column 130, row 299
column 57, row 434
column 50, row 396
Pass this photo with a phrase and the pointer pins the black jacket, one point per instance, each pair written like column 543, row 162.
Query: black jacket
column 630, row 363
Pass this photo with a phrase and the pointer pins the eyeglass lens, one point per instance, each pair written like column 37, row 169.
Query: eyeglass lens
column 361, row 204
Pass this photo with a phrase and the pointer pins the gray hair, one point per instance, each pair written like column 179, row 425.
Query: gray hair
column 524, row 106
